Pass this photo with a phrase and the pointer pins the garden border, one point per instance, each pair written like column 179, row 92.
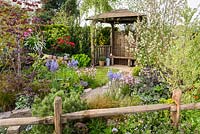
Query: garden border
column 58, row 119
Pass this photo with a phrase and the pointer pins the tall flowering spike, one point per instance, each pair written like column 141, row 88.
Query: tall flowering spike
column 114, row 76
column 48, row 64
column 110, row 75
column 73, row 63
column 52, row 65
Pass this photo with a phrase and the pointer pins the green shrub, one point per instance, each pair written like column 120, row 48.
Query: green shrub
column 7, row 100
column 83, row 59
column 35, row 43
column 136, row 70
column 190, row 122
column 39, row 129
column 24, row 101
column 102, row 58
column 53, row 32
column 3, row 130
column 11, row 85
column 97, row 126
column 71, row 102
column 103, row 36
column 146, row 123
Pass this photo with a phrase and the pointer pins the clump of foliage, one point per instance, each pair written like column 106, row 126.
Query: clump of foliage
column 53, row 32
column 24, row 101
column 112, row 100
column 136, row 70
column 103, row 36
column 151, row 87
column 35, row 43
column 14, row 29
column 83, row 60
column 97, row 126
column 3, row 130
column 182, row 59
column 71, row 103
column 12, row 85
column 156, row 122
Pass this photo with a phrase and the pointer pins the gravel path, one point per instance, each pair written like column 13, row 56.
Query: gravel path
column 91, row 93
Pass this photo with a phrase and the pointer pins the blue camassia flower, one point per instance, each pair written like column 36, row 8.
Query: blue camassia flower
column 114, row 76
column 84, row 83
column 73, row 63
column 52, row 65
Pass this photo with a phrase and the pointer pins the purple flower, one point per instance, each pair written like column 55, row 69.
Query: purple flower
column 73, row 63
column 110, row 75
column 26, row 34
column 48, row 64
column 114, row 76
column 129, row 80
column 84, row 83
column 52, row 65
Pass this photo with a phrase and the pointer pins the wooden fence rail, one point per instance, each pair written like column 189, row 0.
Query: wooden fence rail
column 60, row 118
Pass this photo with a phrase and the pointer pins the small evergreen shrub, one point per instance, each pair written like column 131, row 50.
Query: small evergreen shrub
column 83, row 60
column 136, row 70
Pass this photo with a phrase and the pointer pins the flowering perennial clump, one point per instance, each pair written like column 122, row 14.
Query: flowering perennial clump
column 114, row 76
column 90, row 72
column 52, row 65
column 65, row 41
column 27, row 32
column 84, row 83
column 129, row 80
column 72, row 64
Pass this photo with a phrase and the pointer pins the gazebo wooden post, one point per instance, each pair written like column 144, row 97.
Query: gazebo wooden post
column 92, row 30
column 112, row 42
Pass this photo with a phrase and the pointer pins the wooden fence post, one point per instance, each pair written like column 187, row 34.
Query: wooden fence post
column 57, row 115
column 176, row 97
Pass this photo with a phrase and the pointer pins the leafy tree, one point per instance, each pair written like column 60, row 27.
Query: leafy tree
column 16, row 24
column 182, row 59
column 52, row 6
column 155, row 33
column 98, row 5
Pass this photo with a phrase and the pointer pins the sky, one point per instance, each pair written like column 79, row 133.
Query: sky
column 193, row 3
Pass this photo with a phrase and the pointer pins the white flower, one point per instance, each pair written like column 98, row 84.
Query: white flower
column 114, row 130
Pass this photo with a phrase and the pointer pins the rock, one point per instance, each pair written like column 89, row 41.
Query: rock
column 87, row 90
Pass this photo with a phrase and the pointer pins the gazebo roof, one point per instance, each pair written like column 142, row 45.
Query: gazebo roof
column 117, row 16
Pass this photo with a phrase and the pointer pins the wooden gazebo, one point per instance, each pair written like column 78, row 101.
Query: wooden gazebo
column 117, row 50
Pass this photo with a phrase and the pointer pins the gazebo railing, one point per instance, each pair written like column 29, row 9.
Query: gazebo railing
column 102, row 51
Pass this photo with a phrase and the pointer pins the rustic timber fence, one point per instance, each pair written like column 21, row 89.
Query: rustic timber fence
column 58, row 119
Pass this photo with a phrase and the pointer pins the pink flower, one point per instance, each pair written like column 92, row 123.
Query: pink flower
column 26, row 34
column 29, row 30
